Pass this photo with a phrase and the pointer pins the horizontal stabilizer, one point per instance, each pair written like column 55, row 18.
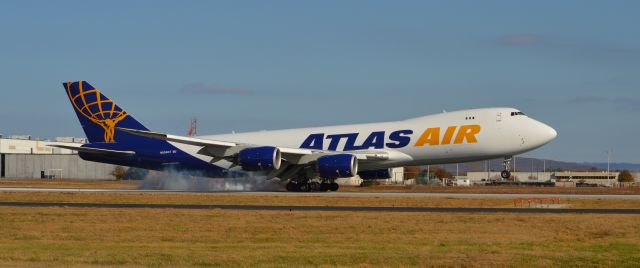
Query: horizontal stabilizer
column 94, row 150
column 179, row 139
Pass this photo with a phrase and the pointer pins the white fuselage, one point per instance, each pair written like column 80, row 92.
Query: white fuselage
column 449, row 137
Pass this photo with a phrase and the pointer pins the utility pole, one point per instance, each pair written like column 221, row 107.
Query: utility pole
column 515, row 177
column 486, row 169
column 531, row 171
column 544, row 168
column 608, row 166
column 428, row 177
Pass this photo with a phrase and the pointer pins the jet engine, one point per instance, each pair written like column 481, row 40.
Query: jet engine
column 260, row 158
column 377, row 174
column 337, row 166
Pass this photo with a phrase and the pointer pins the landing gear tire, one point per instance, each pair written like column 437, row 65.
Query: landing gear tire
column 314, row 186
column 506, row 174
column 291, row 187
column 304, row 187
column 333, row 187
column 324, row 187
column 311, row 186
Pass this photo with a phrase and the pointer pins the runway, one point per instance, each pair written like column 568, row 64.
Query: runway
column 327, row 208
column 323, row 194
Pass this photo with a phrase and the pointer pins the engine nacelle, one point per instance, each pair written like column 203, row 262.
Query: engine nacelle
column 260, row 158
column 337, row 166
column 378, row 174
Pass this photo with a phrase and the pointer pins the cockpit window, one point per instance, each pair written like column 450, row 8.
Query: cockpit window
column 517, row 113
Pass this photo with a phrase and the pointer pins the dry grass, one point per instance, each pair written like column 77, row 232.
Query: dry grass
column 495, row 189
column 44, row 237
column 257, row 199
column 71, row 184
column 81, row 237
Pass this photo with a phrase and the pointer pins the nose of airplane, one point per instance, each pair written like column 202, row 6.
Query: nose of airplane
column 547, row 133
column 532, row 134
column 542, row 133
column 550, row 133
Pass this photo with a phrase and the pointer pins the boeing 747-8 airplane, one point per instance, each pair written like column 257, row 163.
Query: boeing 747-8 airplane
column 308, row 158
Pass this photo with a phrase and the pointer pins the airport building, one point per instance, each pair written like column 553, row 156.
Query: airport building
column 22, row 157
column 27, row 145
column 600, row 177
column 397, row 177
column 587, row 177
column 477, row 177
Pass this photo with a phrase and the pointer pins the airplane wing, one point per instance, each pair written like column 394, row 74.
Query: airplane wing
column 220, row 150
column 105, row 152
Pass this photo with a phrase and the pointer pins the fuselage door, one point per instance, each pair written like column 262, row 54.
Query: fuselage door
column 499, row 117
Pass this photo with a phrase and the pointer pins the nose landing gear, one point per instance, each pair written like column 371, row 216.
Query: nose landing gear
column 505, row 174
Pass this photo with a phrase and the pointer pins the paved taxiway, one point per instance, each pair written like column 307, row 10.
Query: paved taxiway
column 328, row 208
column 329, row 194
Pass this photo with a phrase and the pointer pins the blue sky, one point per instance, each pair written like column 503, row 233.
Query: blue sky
column 253, row 65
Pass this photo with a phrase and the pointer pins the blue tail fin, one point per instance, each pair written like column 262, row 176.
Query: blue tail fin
column 98, row 115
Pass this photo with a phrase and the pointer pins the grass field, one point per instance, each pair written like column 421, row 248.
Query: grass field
column 496, row 189
column 82, row 237
column 258, row 199
column 45, row 237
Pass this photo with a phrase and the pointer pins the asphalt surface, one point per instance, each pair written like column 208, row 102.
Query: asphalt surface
column 327, row 208
column 326, row 194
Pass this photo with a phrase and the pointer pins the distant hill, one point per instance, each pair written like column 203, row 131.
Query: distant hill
column 618, row 166
column 526, row 164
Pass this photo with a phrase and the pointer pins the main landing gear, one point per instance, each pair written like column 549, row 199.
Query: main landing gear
column 506, row 174
column 312, row 186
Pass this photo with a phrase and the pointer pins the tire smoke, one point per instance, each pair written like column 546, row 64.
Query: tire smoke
column 190, row 182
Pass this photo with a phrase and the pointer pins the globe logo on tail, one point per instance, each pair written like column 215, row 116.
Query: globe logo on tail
column 95, row 107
